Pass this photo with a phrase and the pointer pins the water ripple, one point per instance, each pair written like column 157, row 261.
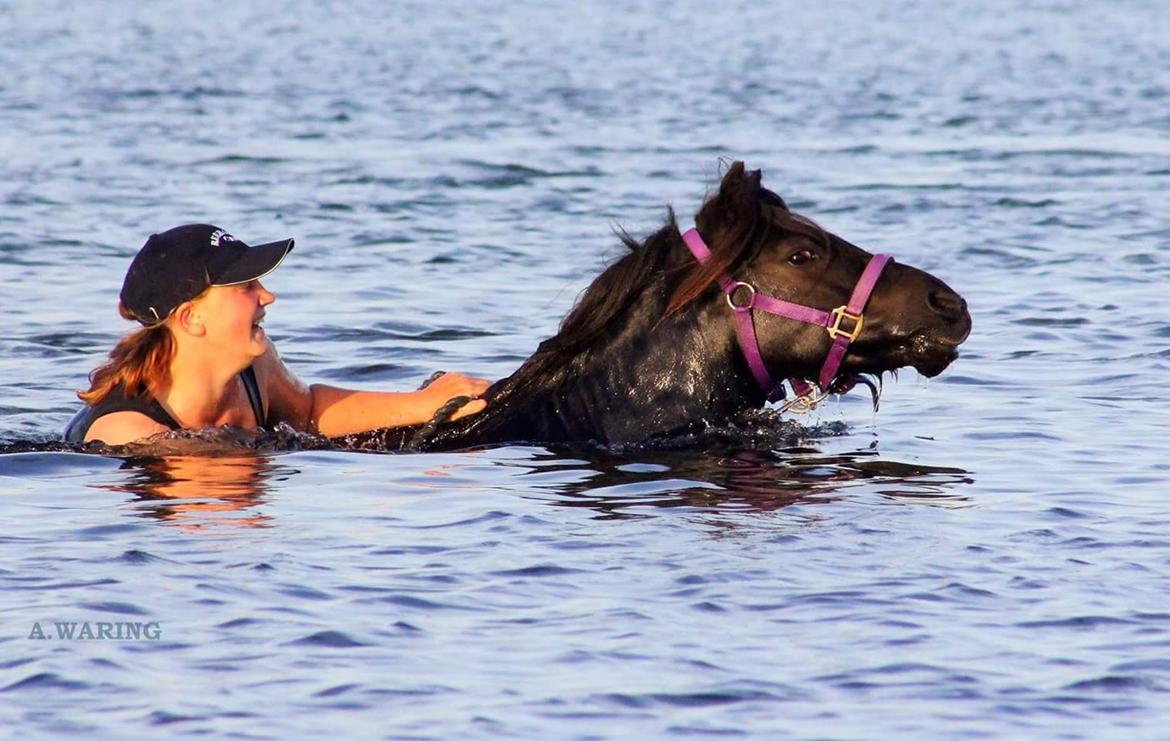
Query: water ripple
column 329, row 639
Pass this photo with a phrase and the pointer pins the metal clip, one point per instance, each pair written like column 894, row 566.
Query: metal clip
column 805, row 403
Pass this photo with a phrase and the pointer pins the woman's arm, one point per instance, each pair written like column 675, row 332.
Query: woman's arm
column 331, row 411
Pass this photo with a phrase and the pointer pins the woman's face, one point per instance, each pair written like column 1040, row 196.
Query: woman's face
column 231, row 316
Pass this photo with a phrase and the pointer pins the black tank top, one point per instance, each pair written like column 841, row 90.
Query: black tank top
column 117, row 401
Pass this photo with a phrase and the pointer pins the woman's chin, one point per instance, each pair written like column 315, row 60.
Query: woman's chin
column 259, row 341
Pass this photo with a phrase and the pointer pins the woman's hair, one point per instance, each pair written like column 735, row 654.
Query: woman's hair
column 141, row 360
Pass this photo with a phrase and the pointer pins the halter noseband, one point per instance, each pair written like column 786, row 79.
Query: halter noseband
column 842, row 323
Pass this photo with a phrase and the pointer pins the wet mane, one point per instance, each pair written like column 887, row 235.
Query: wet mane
column 735, row 222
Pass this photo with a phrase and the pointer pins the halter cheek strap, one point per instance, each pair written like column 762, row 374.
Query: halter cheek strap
column 843, row 324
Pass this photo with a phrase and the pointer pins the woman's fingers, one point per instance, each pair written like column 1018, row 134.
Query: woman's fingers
column 451, row 385
column 457, row 384
column 471, row 407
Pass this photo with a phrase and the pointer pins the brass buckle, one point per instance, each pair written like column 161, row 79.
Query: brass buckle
column 751, row 296
column 840, row 314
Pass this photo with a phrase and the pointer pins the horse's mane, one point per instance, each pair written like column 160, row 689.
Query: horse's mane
column 735, row 222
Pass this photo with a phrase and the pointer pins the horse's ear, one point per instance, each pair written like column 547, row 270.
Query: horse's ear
column 736, row 201
column 738, row 183
column 759, row 192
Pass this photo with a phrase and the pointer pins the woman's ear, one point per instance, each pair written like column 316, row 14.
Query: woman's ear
column 189, row 319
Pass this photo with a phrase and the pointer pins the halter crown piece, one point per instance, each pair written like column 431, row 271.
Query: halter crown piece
column 842, row 323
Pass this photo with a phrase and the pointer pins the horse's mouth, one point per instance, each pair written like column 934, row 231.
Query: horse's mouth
column 924, row 351
column 930, row 355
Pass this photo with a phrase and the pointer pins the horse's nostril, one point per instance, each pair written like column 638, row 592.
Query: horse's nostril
column 947, row 304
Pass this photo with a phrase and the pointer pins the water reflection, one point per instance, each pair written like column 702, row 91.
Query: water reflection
column 229, row 486
column 198, row 490
column 742, row 479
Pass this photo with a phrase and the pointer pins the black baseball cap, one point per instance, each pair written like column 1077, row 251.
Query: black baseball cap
column 181, row 263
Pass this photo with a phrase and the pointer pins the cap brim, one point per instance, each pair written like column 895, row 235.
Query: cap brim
column 256, row 263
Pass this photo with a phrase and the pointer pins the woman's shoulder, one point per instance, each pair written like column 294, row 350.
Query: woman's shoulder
column 117, row 415
column 119, row 428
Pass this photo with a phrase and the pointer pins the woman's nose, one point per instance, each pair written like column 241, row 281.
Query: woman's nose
column 266, row 296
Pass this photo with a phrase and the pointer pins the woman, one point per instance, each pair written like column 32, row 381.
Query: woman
column 203, row 360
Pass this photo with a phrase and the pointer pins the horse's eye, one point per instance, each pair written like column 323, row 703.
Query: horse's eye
column 800, row 258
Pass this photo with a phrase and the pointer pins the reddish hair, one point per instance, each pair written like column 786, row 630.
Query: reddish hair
column 141, row 361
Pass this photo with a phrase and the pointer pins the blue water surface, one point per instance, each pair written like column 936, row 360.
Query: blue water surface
column 986, row 557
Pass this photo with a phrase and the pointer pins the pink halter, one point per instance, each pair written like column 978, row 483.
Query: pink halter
column 842, row 323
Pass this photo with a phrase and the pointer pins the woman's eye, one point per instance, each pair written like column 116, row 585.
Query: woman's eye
column 800, row 258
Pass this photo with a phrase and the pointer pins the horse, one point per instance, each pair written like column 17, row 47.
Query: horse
column 691, row 329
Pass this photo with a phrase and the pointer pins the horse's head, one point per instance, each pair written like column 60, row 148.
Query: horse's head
column 911, row 318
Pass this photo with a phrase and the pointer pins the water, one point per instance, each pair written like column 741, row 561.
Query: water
column 986, row 557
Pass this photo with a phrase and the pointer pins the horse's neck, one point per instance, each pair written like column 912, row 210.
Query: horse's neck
column 683, row 364
column 648, row 377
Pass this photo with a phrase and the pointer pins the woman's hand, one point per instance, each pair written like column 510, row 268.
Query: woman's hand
column 450, row 385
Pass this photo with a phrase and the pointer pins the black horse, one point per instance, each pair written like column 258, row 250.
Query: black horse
column 652, row 350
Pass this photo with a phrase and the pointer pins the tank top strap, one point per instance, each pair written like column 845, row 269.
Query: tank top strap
column 252, row 386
